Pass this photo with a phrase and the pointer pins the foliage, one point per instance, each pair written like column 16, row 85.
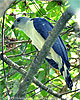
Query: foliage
column 25, row 52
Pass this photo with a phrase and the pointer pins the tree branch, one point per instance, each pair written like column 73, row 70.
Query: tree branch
column 43, row 53
column 38, row 83
column 23, row 72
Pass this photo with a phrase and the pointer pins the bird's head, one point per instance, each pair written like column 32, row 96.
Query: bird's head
column 20, row 22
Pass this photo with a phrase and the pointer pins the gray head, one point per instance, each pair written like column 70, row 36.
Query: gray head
column 19, row 22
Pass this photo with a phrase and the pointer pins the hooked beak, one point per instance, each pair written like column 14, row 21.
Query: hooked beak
column 13, row 26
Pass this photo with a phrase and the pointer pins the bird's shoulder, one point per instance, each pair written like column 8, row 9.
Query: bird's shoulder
column 41, row 21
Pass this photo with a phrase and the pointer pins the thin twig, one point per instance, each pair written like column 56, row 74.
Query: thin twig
column 14, row 42
column 70, row 92
column 74, row 95
column 3, row 55
column 22, row 54
column 14, row 3
column 10, row 49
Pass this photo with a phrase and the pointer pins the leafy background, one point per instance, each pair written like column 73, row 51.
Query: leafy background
column 18, row 47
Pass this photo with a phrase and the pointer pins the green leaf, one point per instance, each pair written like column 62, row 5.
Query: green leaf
column 41, row 75
column 44, row 93
column 51, row 5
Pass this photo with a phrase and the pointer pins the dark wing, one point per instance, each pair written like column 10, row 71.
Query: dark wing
column 43, row 27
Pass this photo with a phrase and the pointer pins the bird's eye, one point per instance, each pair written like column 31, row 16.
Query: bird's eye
column 18, row 20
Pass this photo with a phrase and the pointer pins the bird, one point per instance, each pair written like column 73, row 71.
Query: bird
column 37, row 29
